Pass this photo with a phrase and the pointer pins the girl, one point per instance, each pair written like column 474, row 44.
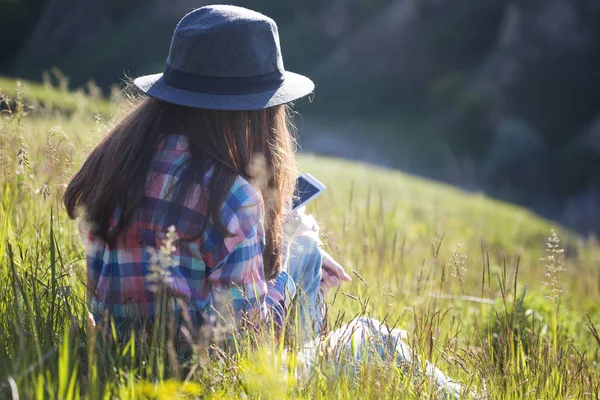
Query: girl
column 185, row 157
column 206, row 162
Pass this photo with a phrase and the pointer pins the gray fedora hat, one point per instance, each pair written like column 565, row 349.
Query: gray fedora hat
column 225, row 58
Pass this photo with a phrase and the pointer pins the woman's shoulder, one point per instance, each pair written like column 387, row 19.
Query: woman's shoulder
column 173, row 151
column 242, row 199
column 244, row 190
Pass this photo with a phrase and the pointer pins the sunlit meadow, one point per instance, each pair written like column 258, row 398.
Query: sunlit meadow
column 503, row 301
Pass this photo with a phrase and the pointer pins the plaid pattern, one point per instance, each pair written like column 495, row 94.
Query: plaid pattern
column 220, row 278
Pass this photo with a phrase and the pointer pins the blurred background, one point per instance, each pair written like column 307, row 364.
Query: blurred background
column 493, row 96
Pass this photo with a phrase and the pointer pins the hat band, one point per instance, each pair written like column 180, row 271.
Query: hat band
column 221, row 85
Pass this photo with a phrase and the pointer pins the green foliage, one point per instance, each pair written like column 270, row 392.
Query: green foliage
column 529, row 322
column 462, row 304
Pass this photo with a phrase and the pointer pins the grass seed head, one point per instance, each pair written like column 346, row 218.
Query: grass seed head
column 554, row 263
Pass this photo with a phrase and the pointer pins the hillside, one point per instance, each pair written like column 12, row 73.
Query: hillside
column 398, row 195
column 393, row 190
column 41, row 99
column 460, row 272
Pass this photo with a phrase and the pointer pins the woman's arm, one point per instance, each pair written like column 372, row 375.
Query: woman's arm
column 300, row 223
column 239, row 290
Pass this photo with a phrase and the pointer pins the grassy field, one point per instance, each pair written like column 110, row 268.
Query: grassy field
column 484, row 289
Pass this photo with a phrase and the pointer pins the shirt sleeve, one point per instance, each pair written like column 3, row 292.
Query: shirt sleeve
column 239, row 291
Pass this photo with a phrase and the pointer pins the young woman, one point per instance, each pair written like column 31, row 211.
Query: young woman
column 191, row 192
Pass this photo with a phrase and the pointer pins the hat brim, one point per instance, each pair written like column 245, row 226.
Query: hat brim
column 294, row 86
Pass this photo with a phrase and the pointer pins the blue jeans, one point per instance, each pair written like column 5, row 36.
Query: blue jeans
column 304, row 266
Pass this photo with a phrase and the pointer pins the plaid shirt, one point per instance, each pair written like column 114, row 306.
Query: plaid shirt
column 218, row 277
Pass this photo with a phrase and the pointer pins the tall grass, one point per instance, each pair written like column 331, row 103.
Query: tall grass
column 464, row 275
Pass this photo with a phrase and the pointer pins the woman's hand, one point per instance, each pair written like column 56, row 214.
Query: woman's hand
column 333, row 274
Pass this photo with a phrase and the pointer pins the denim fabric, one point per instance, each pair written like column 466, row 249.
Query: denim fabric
column 304, row 266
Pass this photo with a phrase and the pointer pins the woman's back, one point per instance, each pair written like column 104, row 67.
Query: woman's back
column 125, row 277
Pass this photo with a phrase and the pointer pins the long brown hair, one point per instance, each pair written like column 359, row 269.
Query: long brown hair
column 235, row 142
